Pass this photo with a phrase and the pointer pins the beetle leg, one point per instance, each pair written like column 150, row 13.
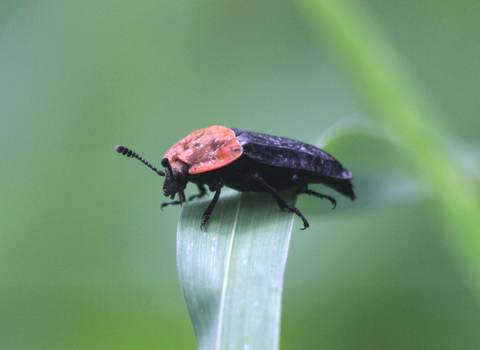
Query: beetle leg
column 208, row 212
column 319, row 195
column 282, row 203
column 180, row 200
column 202, row 192
column 303, row 188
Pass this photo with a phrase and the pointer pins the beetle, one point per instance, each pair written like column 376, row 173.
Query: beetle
column 219, row 156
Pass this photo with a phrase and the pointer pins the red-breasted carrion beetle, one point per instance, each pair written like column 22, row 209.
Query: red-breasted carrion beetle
column 247, row 161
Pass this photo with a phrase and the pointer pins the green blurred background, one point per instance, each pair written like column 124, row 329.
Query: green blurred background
column 87, row 259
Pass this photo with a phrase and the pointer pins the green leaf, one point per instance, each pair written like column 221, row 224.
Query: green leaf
column 232, row 272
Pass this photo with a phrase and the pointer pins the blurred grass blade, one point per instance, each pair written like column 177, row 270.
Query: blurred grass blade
column 232, row 273
column 387, row 87
column 383, row 173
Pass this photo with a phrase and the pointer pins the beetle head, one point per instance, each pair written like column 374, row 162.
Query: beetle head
column 176, row 177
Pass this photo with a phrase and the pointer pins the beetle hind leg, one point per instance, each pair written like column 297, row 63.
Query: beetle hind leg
column 282, row 203
column 319, row 195
column 303, row 189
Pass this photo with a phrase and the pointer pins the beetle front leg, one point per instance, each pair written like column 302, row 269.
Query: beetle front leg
column 217, row 187
column 180, row 200
column 282, row 203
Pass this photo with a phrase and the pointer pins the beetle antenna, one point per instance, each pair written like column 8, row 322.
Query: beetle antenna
column 130, row 154
column 166, row 164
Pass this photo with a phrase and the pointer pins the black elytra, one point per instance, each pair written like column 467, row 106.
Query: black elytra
column 247, row 161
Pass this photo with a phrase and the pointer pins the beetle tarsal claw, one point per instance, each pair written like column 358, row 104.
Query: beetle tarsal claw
column 205, row 220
